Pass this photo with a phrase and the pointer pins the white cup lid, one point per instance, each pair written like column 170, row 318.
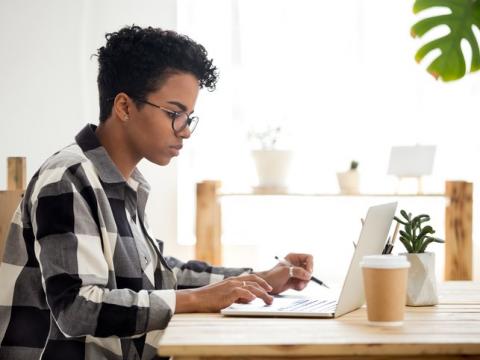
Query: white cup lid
column 385, row 261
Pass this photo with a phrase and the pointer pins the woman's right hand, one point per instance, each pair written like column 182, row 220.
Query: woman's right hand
column 214, row 297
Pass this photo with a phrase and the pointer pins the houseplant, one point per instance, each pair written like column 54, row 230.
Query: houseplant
column 349, row 181
column 462, row 16
column 272, row 164
column 416, row 236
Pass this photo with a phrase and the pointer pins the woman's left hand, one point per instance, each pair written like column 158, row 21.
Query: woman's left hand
column 283, row 277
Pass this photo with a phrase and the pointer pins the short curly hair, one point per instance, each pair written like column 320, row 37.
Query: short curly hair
column 138, row 60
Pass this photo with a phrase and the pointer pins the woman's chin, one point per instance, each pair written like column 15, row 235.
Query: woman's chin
column 162, row 161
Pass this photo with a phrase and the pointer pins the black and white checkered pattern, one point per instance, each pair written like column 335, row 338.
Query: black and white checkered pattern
column 72, row 281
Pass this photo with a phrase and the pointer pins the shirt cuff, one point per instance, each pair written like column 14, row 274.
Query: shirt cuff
column 168, row 296
column 247, row 271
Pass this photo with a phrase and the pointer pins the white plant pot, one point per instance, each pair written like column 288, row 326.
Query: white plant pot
column 349, row 182
column 422, row 284
column 272, row 168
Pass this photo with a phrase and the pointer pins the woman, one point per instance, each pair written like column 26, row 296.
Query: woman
column 83, row 277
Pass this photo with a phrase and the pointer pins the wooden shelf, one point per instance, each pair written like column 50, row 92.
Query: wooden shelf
column 458, row 221
column 329, row 194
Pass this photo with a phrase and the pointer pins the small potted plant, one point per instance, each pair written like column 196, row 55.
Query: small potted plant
column 272, row 164
column 416, row 235
column 349, row 181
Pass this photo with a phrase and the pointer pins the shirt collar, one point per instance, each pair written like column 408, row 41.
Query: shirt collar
column 105, row 167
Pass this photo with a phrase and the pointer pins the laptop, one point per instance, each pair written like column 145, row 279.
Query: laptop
column 371, row 242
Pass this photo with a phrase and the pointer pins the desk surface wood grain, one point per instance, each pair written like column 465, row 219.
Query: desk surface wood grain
column 448, row 330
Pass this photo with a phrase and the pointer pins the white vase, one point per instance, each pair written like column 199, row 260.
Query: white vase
column 422, row 283
column 272, row 168
column 349, row 181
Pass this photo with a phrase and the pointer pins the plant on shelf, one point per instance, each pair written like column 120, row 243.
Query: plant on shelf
column 267, row 138
column 272, row 164
column 462, row 16
column 349, row 181
column 416, row 235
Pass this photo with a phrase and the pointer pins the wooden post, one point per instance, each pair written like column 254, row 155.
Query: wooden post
column 458, row 231
column 17, row 173
column 9, row 200
column 208, row 223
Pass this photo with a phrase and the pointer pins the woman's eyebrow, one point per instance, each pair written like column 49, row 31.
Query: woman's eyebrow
column 179, row 104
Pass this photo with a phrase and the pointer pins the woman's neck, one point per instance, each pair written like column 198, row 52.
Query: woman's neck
column 112, row 137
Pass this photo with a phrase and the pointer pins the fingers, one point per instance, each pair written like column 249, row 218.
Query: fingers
column 300, row 285
column 308, row 263
column 303, row 260
column 257, row 279
column 259, row 292
column 242, row 295
column 299, row 273
column 217, row 296
column 250, row 291
column 300, row 276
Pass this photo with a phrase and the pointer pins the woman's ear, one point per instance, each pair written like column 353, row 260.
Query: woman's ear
column 121, row 106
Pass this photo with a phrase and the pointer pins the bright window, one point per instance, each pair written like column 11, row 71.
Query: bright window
column 341, row 80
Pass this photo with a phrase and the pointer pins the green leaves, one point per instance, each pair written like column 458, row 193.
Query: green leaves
column 415, row 236
column 450, row 65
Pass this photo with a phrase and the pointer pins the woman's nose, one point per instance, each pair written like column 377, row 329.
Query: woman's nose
column 185, row 133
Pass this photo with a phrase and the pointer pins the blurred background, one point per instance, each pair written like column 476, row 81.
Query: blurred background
column 338, row 79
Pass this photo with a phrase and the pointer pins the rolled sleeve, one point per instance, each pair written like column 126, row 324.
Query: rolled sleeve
column 196, row 273
column 161, row 310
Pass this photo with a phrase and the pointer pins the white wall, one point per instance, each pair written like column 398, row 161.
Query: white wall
column 48, row 84
column 41, row 82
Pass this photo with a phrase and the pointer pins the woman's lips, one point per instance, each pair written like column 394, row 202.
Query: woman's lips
column 176, row 149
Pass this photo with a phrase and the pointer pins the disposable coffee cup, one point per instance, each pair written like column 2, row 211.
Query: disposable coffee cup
column 385, row 285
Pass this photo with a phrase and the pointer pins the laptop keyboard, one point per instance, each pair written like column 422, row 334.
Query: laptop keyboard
column 310, row 305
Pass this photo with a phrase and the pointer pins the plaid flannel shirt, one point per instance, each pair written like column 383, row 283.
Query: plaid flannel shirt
column 72, row 281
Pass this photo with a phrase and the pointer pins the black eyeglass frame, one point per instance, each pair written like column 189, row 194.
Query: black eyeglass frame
column 174, row 115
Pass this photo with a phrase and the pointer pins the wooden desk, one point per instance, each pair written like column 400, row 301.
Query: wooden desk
column 450, row 330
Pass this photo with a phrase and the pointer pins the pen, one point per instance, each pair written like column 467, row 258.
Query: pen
column 313, row 278
column 395, row 232
column 389, row 245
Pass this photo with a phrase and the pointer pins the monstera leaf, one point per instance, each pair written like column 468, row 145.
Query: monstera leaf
column 450, row 65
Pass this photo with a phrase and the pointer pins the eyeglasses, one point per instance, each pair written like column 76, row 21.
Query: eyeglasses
column 180, row 120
